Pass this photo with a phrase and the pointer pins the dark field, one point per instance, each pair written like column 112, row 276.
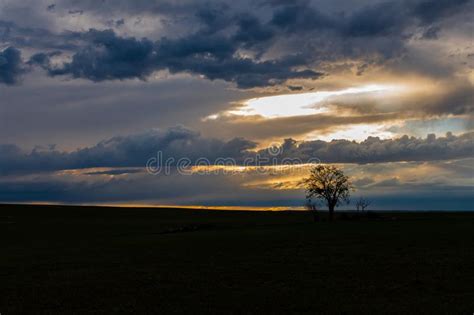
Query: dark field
column 121, row 260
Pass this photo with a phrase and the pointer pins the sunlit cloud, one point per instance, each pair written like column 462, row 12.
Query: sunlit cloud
column 300, row 104
column 354, row 132
column 326, row 109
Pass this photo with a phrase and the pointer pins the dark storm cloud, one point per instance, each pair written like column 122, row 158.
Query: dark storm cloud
column 80, row 12
column 431, row 33
column 109, row 57
column 376, row 150
column 43, row 59
column 37, row 37
column 212, row 17
column 106, row 56
column 381, row 19
column 11, row 66
column 130, row 151
column 300, row 16
column 132, row 7
column 217, row 33
column 251, row 31
column 51, row 7
column 374, row 19
column 431, row 11
column 179, row 142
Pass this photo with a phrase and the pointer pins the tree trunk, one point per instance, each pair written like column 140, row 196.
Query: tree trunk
column 331, row 212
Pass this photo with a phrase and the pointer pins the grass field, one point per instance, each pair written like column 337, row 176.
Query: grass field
column 58, row 260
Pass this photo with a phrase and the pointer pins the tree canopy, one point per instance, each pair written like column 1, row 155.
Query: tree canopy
column 329, row 184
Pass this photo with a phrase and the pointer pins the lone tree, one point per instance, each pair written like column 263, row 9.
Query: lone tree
column 362, row 203
column 328, row 183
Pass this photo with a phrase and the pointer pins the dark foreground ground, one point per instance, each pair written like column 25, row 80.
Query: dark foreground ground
column 60, row 260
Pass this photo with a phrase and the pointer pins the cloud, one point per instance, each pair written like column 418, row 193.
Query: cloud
column 295, row 87
column 179, row 142
column 387, row 18
column 259, row 128
column 110, row 57
column 11, row 66
column 74, row 114
column 37, row 38
column 249, row 44
column 439, row 98
column 118, row 171
column 381, row 19
column 376, row 150
column 129, row 151
column 300, row 16
column 431, row 33
column 431, row 11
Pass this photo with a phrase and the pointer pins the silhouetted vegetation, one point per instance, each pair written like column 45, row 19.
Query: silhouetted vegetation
column 329, row 184
column 313, row 208
column 362, row 204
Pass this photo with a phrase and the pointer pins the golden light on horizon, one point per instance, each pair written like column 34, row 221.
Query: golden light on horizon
column 241, row 169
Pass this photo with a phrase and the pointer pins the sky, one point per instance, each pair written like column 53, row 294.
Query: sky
column 100, row 101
